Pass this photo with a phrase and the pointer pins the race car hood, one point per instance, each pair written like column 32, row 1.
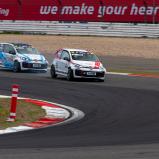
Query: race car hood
column 33, row 57
column 93, row 64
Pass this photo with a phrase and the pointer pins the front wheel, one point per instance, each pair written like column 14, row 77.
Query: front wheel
column 16, row 67
column 70, row 75
column 53, row 72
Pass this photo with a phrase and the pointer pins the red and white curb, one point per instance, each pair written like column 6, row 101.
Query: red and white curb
column 56, row 114
column 133, row 74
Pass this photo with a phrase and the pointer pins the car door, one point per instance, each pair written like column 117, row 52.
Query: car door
column 64, row 62
column 9, row 54
column 56, row 61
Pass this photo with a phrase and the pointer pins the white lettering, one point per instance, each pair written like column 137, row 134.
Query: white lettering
column 109, row 10
column 149, row 11
column 90, row 10
column 117, row 10
column 45, row 9
column 124, row 10
column 4, row 12
column 142, row 10
column 76, row 10
column 54, row 10
column 156, row 10
column 134, row 9
column 67, row 10
column 82, row 10
column 101, row 11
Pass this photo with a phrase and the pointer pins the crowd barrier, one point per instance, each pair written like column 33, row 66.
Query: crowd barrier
column 83, row 29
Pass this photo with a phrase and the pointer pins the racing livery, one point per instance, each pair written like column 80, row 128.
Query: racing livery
column 21, row 56
column 76, row 63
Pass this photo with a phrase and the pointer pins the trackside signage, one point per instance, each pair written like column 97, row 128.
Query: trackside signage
column 81, row 10
column 8, row 10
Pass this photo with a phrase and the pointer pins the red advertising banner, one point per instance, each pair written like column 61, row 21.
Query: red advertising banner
column 8, row 9
column 81, row 10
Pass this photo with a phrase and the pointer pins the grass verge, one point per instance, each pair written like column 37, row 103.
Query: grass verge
column 26, row 112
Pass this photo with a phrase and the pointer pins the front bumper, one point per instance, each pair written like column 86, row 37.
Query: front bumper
column 34, row 66
column 89, row 74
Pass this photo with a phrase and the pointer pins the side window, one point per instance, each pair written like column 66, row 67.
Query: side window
column 8, row 49
column 65, row 55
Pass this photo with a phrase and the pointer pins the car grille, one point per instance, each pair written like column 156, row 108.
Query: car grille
column 84, row 73
column 30, row 65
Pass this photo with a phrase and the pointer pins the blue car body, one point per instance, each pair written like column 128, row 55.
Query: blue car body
column 19, row 56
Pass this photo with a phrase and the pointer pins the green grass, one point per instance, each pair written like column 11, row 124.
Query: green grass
column 12, row 32
column 26, row 112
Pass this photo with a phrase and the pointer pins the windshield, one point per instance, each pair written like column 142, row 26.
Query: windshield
column 83, row 56
column 27, row 50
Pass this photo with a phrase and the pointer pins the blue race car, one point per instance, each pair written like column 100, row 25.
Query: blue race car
column 20, row 56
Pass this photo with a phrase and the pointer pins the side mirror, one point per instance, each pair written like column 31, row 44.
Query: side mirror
column 66, row 59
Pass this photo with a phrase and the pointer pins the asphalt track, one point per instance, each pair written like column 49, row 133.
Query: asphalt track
column 122, row 118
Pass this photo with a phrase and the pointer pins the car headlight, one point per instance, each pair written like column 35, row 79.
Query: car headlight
column 77, row 66
column 46, row 61
column 24, row 58
column 101, row 67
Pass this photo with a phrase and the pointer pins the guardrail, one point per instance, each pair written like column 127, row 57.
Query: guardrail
column 87, row 29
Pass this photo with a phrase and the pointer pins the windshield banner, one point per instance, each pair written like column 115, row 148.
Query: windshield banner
column 81, row 10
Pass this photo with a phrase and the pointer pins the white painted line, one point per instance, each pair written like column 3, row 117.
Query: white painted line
column 21, row 128
column 15, row 129
column 117, row 73
column 76, row 114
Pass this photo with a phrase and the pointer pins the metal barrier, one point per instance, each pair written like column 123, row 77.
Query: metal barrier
column 87, row 29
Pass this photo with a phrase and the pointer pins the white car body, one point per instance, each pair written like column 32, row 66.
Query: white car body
column 67, row 60
column 14, row 57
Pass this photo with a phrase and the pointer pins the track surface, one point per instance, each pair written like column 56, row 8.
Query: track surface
column 121, row 114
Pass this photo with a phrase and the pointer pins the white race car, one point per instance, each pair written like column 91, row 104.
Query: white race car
column 20, row 56
column 76, row 63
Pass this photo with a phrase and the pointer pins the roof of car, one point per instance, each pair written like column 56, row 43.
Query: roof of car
column 16, row 43
column 20, row 44
column 71, row 49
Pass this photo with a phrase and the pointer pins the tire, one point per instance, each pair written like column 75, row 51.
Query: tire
column 53, row 72
column 16, row 67
column 70, row 75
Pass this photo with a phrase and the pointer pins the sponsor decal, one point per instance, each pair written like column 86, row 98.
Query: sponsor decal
column 97, row 65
